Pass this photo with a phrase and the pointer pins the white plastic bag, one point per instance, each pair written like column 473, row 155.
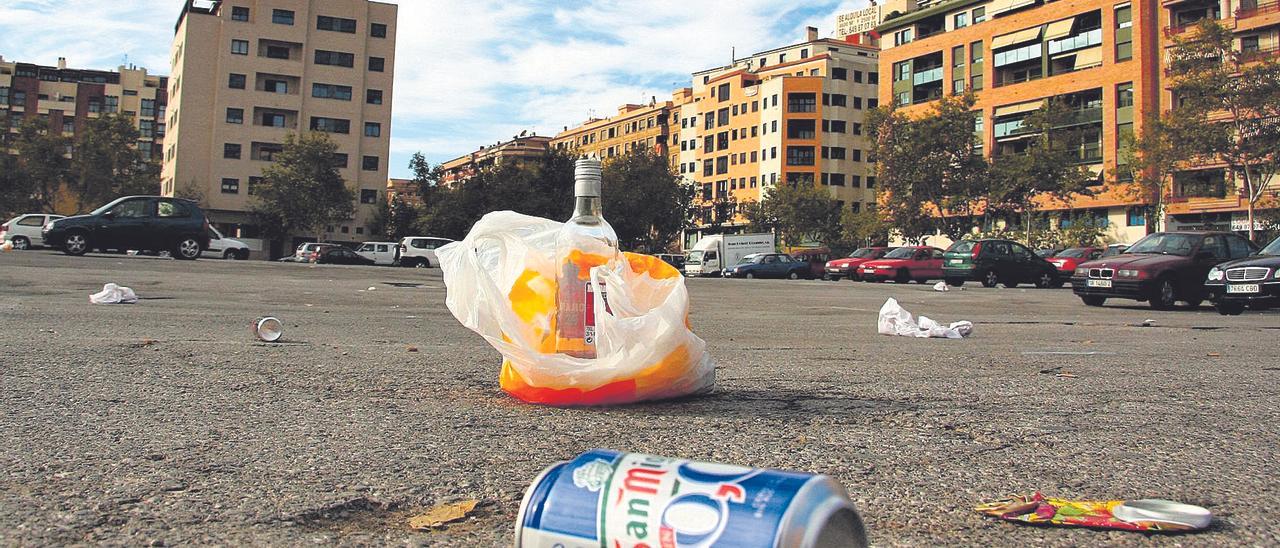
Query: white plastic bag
column 894, row 320
column 501, row 284
column 114, row 294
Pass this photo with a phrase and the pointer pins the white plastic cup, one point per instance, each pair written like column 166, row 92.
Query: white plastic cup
column 268, row 329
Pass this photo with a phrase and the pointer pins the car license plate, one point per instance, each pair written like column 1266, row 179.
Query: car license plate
column 1243, row 288
column 1099, row 283
column 955, row 261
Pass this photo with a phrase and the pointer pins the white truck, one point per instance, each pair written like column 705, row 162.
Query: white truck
column 713, row 253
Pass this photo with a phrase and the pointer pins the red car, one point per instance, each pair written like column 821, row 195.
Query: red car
column 1068, row 259
column 919, row 263
column 848, row 266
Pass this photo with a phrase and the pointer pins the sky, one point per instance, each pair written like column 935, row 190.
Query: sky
column 470, row 73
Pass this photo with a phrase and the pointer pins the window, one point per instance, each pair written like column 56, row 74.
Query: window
column 129, row 92
column 335, row 58
column 331, row 125
column 278, row 52
column 148, row 107
column 838, row 100
column 111, row 103
column 1136, row 216
column 961, row 19
column 837, row 179
column 235, row 116
column 800, row 156
column 369, row 163
column 235, row 81
column 376, row 64
column 979, row 15
column 1124, row 95
column 239, row 13
column 231, row 151
column 340, row 160
column 838, row 126
column 240, row 47
column 282, row 17
column 229, row 186
column 873, row 77
column 378, row 30
column 331, row 91
column 901, row 71
column 837, row 153
column 275, row 86
column 802, row 102
column 902, row 37
column 722, row 165
column 373, row 96
column 840, row 74
column 336, row 24
column 975, row 82
column 272, row 119
column 372, row 129
column 68, row 125
column 804, row 53
column 1124, row 33
column 708, row 168
column 368, row 196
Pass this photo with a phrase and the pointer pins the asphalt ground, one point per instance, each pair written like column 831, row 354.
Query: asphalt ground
column 166, row 422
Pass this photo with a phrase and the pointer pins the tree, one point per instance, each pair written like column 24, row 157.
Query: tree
column 41, row 168
column 401, row 219
column 800, row 212
column 1145, row 162
column 1227, row 107
column 644, row 201
column 108, row 164
column 858, row 229
column 191, row 190
column 302, row 191
column 931, row 172
column 1049, row 166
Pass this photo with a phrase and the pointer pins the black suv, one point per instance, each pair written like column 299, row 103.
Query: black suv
column 143, row 223
column 997, row 261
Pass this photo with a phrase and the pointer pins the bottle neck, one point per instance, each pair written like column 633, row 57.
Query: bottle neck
column 586, row 206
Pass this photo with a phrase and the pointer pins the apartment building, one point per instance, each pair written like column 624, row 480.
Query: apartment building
column 790, row 115
column 634, row 128
column 1207, row 196
column 1099, row 57
column 520, row 148
column 67, row 98
column 246, row 73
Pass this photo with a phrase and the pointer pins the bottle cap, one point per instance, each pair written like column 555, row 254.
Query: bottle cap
column 586, row 177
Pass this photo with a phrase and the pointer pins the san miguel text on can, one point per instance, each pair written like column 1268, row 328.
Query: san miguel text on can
column 609, row 499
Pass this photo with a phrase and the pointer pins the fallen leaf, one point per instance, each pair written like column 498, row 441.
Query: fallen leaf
column 412, row 349
column 1214, row 355
column 441, row 514
column 1066, row 375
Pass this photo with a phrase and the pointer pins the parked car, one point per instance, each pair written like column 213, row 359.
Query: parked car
column 673, row 259
column 382, row 253
column 996, row 261
column 227, row 248
column 1162, row 269
column 307, row 252
column 24, row 230
column 1252, row 282
column 420, row 251
column 768, row 265
column 1048, row 252
column 847, row 267
column 341, row 255
column 144, row 223
column 1067, row 259
column 816, row 257
column 919, row 263
column 1114, row 249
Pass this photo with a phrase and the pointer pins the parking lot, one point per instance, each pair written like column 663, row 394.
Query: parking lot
column 167, row 422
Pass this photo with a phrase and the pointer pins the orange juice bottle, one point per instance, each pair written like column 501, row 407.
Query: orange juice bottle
column 585, row 241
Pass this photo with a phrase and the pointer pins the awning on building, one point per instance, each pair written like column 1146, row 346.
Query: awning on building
column 1018, row 108
column 1024, row 35
column 1059, row 29
column 1001, row 6
column 1087, row 58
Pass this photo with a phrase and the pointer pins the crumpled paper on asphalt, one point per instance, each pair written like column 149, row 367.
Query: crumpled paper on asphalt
column 894, row 320
column 114, row 294
column 941, row 286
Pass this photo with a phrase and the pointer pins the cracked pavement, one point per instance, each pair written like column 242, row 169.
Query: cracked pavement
column 165, row 422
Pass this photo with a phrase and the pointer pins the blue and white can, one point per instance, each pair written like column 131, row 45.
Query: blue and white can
column 609, row 499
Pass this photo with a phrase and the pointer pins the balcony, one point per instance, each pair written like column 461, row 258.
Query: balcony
column 927, row 76
column 1260, row 54
column 1262, row 8
column 1084, row 39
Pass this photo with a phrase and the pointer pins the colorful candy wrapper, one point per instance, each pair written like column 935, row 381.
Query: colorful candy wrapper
column 1037, row 509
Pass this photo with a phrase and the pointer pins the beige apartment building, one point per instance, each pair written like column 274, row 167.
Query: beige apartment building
column 634, row 128
column 520, row 148
column 66, row 98
column 793, row 115
column 246, row 73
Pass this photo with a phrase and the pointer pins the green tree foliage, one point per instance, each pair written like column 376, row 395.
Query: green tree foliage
column 542, row 188
column 1049, row 167
column 41, row 168
column 1227, row 108
column 1145, row 162
column 644, row 201
column 801, row 213
column 302, row 191
column 931, row 174
column 107, row 163
column 859, row 229
column 401, row 219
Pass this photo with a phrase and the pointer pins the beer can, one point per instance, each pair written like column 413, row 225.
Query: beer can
column 268, row 329
column 609, row 498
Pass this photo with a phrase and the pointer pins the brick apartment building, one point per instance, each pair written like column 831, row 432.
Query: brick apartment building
column 519, row 148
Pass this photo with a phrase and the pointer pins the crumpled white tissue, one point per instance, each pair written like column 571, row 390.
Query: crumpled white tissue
column 114, row 294
column 896, row 321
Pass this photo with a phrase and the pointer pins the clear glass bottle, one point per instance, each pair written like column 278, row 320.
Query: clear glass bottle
column 585, row 241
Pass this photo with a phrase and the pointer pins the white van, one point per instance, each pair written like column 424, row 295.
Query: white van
column 381, row 253
column 714, row 253
column 420, row 251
